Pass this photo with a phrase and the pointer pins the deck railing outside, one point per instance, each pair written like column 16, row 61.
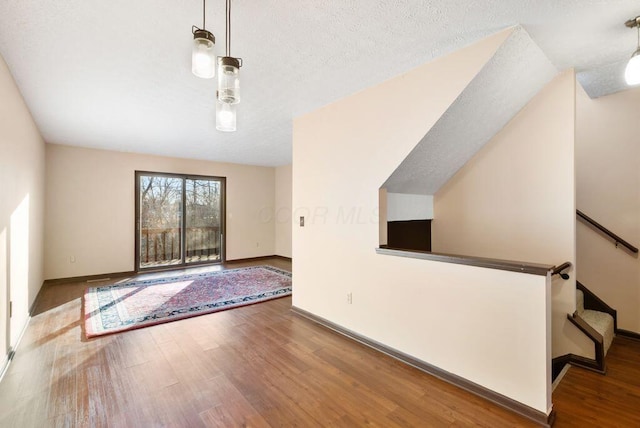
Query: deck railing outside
column 161, row 246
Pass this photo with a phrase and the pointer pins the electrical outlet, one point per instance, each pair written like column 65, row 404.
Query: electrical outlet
column 72, row 259
column 350, row 298
column 257, row 244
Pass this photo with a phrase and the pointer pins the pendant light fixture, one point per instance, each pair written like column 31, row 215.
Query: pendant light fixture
column 229, row 69
column 203, row 59
column 228, row 94
column 632, row 72
column 225, row 117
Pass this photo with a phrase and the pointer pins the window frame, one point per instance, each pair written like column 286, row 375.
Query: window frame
column 223, row 220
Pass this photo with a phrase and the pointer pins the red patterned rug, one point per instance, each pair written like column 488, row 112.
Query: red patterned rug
column 134, row 304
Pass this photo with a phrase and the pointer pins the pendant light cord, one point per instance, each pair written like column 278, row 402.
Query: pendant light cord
column 204, row 15
column 228, row 29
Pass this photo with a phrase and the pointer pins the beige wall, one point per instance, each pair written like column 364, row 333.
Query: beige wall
column 432, row 311
column 608, row 190
column 283, row 212
column 402, row 207
column 21, row 210
column 383, row 208
column 90, row 208
column 515, row 200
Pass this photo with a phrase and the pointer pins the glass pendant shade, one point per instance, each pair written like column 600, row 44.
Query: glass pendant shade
column 229, row 80
column 203, row 59
column 225, row 117
column 632, row 72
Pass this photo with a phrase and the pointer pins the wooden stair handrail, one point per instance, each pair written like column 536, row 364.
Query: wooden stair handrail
column 610, row 234
column 558, row 270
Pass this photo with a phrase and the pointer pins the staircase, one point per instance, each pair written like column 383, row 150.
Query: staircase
column 598, row 321
column 601, row 322
column 594, row 317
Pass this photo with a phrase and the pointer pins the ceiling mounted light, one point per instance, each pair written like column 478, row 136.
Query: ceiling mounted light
column 632, row 72
column 229, row 69
column 203, row 59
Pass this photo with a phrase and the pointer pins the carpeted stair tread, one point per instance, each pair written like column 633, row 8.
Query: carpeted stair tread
column 602, row 323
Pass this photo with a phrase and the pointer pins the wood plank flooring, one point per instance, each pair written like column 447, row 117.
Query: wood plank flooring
column 258, row 366
column 586, row 399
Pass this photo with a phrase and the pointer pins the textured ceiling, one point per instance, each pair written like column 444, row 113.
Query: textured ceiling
column 504, row 85
column 116, row 74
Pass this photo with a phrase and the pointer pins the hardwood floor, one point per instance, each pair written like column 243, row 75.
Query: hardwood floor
column 259, row 366
column 587, row 399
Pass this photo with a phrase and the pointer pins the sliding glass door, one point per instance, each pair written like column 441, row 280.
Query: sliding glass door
column 203, row 220
column 179, row 220
column 160, row 221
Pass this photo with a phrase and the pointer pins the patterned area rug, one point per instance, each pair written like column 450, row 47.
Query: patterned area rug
column 134, row 304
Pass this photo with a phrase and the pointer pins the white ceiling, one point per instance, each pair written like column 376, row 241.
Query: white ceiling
column 517, row 71
column 115, row 74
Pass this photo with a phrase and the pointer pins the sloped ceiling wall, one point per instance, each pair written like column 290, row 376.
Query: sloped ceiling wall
column 517, row 71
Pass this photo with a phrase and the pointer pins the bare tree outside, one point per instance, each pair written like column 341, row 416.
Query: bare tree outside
column 162, row 220
column 203, row 220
